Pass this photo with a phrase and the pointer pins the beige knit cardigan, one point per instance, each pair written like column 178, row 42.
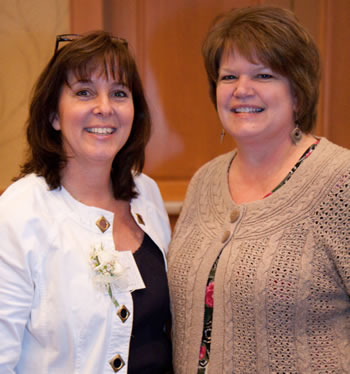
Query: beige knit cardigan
column 282, row 286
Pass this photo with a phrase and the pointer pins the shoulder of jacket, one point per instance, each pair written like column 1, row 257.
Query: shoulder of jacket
column 143, row 180
column 24, row 189
column 146, row 187
column 29, row 195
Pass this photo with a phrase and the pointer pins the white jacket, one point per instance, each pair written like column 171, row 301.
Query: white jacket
column 52, row 318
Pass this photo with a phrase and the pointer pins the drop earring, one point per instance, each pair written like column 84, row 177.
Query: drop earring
column 222, row 135
column 296, row 134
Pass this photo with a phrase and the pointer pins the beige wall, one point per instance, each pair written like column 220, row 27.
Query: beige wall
column 27, row 34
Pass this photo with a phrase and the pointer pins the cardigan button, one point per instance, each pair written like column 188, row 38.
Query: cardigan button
column 117, row 363
column 225, row 236
column 234, row 216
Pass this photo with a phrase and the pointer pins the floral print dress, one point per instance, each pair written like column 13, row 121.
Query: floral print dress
column 204, row 353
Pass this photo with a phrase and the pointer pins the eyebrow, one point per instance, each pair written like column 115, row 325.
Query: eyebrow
column 90, row 82
column 254, row 68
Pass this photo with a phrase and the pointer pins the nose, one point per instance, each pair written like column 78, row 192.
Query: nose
column 243, row 87
column 103, row 105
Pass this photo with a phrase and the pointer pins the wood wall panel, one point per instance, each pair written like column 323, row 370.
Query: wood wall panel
column 166, row 37
column 329, row 22
column 338, row 72
column 86, row 15
column 27, row 40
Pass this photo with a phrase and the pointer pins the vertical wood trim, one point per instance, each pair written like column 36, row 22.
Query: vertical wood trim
column 141, row 37
column 326, row 34
column 140, row 27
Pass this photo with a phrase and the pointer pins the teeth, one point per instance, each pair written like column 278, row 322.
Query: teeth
column 247, row 110
column 99, row 130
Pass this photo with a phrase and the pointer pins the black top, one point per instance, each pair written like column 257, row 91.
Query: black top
column 150, row 347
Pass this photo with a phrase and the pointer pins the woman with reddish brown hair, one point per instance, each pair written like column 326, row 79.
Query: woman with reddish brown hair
column 83, row 232
column 259, row 263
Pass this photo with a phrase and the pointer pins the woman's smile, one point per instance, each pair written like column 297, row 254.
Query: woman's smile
column 101, row 130
column 246, row 109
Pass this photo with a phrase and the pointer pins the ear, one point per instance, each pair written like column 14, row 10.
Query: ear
column 295, row 100
column 295, row 104
column 55, row 122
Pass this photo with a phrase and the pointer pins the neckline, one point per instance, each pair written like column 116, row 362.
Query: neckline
column 139, row 250
column 292, row 189
column 303, row 157
column 83, row 213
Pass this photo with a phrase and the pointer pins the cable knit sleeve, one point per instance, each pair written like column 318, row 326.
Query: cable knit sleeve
column 332, row 222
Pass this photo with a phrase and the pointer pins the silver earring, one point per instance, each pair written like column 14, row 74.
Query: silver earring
column 296, row 134
column 222, row 135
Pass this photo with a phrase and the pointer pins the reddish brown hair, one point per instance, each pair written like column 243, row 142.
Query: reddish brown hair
column 276, row 38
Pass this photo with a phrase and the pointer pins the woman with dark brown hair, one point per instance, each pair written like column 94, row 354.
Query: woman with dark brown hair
column 259, row 264
column 83, row 232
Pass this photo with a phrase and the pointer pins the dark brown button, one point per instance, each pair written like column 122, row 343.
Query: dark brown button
column 117, row 363
column 225, row 236
column 102, row 224
column 234, row 216
column 123, row 313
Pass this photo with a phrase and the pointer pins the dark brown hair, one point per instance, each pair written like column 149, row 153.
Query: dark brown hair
column 276, row 38
column 95, row 50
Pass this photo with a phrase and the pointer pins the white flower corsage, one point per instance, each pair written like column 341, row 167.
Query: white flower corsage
column 107, row 270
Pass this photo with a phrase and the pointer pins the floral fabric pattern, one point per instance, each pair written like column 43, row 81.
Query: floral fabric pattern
column 208, row 318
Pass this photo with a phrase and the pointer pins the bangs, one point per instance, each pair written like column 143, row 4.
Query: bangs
column 108, row 65
column 257, row 45
column 247, row 50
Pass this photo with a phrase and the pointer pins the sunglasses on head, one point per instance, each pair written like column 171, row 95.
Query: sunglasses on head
column 70, row 37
